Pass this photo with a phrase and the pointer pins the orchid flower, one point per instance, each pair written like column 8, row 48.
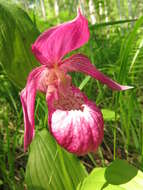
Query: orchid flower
column 75, row 122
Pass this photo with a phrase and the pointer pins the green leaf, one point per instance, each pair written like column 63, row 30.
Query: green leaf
column 118, row 176
column 51, row 167
column 17, row 33
column 126, row 49
column 104, row 24
column 84, row 82
column 1, row 182
column 108, row 115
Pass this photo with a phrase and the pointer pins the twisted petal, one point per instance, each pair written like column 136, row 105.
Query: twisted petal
column 53, row 44
column 81, row 63
column 27, row 97
column 79, row 131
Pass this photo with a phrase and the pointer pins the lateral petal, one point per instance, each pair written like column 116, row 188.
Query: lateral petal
column 53, row 44
column 81, row 63
column 27, row 97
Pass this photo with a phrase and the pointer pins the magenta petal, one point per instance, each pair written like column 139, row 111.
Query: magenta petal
column 81, row 63
column 53, row 44
column 40, row 43
column 79, row 131
column 27, row 97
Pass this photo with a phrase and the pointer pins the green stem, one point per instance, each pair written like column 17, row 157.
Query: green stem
column 92, row 159
column 101, row 155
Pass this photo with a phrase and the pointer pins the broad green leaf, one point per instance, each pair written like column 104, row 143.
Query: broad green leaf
column 17, row 33
column 50, row 167
column 118, row 176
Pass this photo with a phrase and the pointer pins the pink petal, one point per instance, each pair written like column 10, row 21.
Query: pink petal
column 38, row 46
column 27, row 97
column 79, row 131
column 53, row 44
column 81, row 63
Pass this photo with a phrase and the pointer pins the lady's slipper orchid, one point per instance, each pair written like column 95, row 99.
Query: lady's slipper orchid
column 74, row 121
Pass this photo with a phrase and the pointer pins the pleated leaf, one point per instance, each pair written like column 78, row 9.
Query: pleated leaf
column 17, row 33
column 50, row 167
column 118, row 176
column 127, row 51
